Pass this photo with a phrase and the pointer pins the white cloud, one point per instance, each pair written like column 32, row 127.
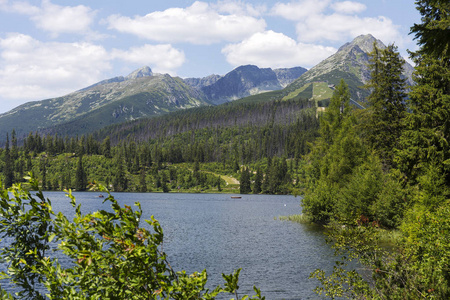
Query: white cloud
column 32, row 70
column 338, row 27
column 63, row 19
column 325, row 21
column 162, row 58
column 239, row 8
column 275, row 50
column 348, row 7
column 199, row 23
column 54, row 18
column 299, row 10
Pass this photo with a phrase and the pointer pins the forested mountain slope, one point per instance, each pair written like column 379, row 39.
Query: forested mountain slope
column 141, row 94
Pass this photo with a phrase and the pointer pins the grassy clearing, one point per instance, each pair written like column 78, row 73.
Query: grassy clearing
column 321, row 91
column 295, row 93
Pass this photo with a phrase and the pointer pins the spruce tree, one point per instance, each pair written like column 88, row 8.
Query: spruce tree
column 427, row 135
column 106, row 147
column 8, row 171
column 120, row 181
column 142, row 181
column 244, row 187
column 43, row 167
column 433, row 33
column 80, row 176
column 382, row 121
column 257, row 186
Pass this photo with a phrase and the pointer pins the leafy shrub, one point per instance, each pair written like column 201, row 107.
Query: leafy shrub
column 110, row 255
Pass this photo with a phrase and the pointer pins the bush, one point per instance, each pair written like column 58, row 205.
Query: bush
column 110, row 255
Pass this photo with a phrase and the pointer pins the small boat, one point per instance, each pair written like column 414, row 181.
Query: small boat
column 236, row 197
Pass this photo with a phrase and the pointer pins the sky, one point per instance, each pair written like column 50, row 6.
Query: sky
column 50, row 48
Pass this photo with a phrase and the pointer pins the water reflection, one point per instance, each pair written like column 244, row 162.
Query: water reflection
column 220, row 234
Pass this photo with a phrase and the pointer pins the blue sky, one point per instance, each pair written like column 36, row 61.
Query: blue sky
column 50, row 48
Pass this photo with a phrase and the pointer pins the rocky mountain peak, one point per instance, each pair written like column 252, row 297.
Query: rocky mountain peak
column 141, row 72
column 363, row 42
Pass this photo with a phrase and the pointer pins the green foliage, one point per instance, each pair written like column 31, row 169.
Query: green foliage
column 433, row 34
column 81, row 181
column 413, row 198
column 110, row 255
column 7, row 169
column 245, row 186
column 382, row 121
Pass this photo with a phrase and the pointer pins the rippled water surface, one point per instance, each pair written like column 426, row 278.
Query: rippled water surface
column 218, row 233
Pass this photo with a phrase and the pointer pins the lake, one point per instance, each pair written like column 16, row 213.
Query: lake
column 220, row 234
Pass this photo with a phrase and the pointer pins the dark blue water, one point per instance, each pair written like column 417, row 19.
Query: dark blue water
column 220, row 234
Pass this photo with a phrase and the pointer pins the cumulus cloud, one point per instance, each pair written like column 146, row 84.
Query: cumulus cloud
column 162, row 58
column 325, row 21
column 299, row 10
column 239, row 8
column 31, row 69
column 348, row 7
column 338, row 27
column 199, row 23
column 275, row 50
column 54, row 18
column 63, row 19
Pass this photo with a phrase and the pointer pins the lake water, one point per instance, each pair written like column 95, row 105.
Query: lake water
column 220, row 234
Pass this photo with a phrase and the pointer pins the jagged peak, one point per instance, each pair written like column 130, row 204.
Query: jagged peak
column 364, row 42
column 141, row 72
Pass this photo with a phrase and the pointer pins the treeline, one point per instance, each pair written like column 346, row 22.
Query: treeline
column 220, row 140
column 237, row 113
column 387, row 167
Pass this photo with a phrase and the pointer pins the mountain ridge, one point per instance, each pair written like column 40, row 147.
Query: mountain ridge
column 143, row 93
column 244, row 81
column 350, row 62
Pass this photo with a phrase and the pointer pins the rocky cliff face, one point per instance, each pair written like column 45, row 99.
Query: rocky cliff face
column 199, row 83
column 140, row 94
column 244, row 81
column 350, row 63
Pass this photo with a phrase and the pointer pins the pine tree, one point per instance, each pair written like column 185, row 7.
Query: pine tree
column 8, row 171
column 43, row 167
column 257, row 186
column 244, row 187
column 106, row 147
column 382, row 121
column 433, row 34
column 14, row 149
column 427, row 133
column 120, row 181
column 80, row 176
column 142, row 181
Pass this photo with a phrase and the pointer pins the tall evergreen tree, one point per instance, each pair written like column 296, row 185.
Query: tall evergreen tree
column 80, row 176
column 383, row 119
column 120, row 181
column 142, row 181
column 8, row 171
column 245, row 187
column 14, row 149
column 433, row 33
column 427, row 135
column 257, row 186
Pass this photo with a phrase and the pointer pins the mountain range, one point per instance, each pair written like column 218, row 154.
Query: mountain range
column 144, row 94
